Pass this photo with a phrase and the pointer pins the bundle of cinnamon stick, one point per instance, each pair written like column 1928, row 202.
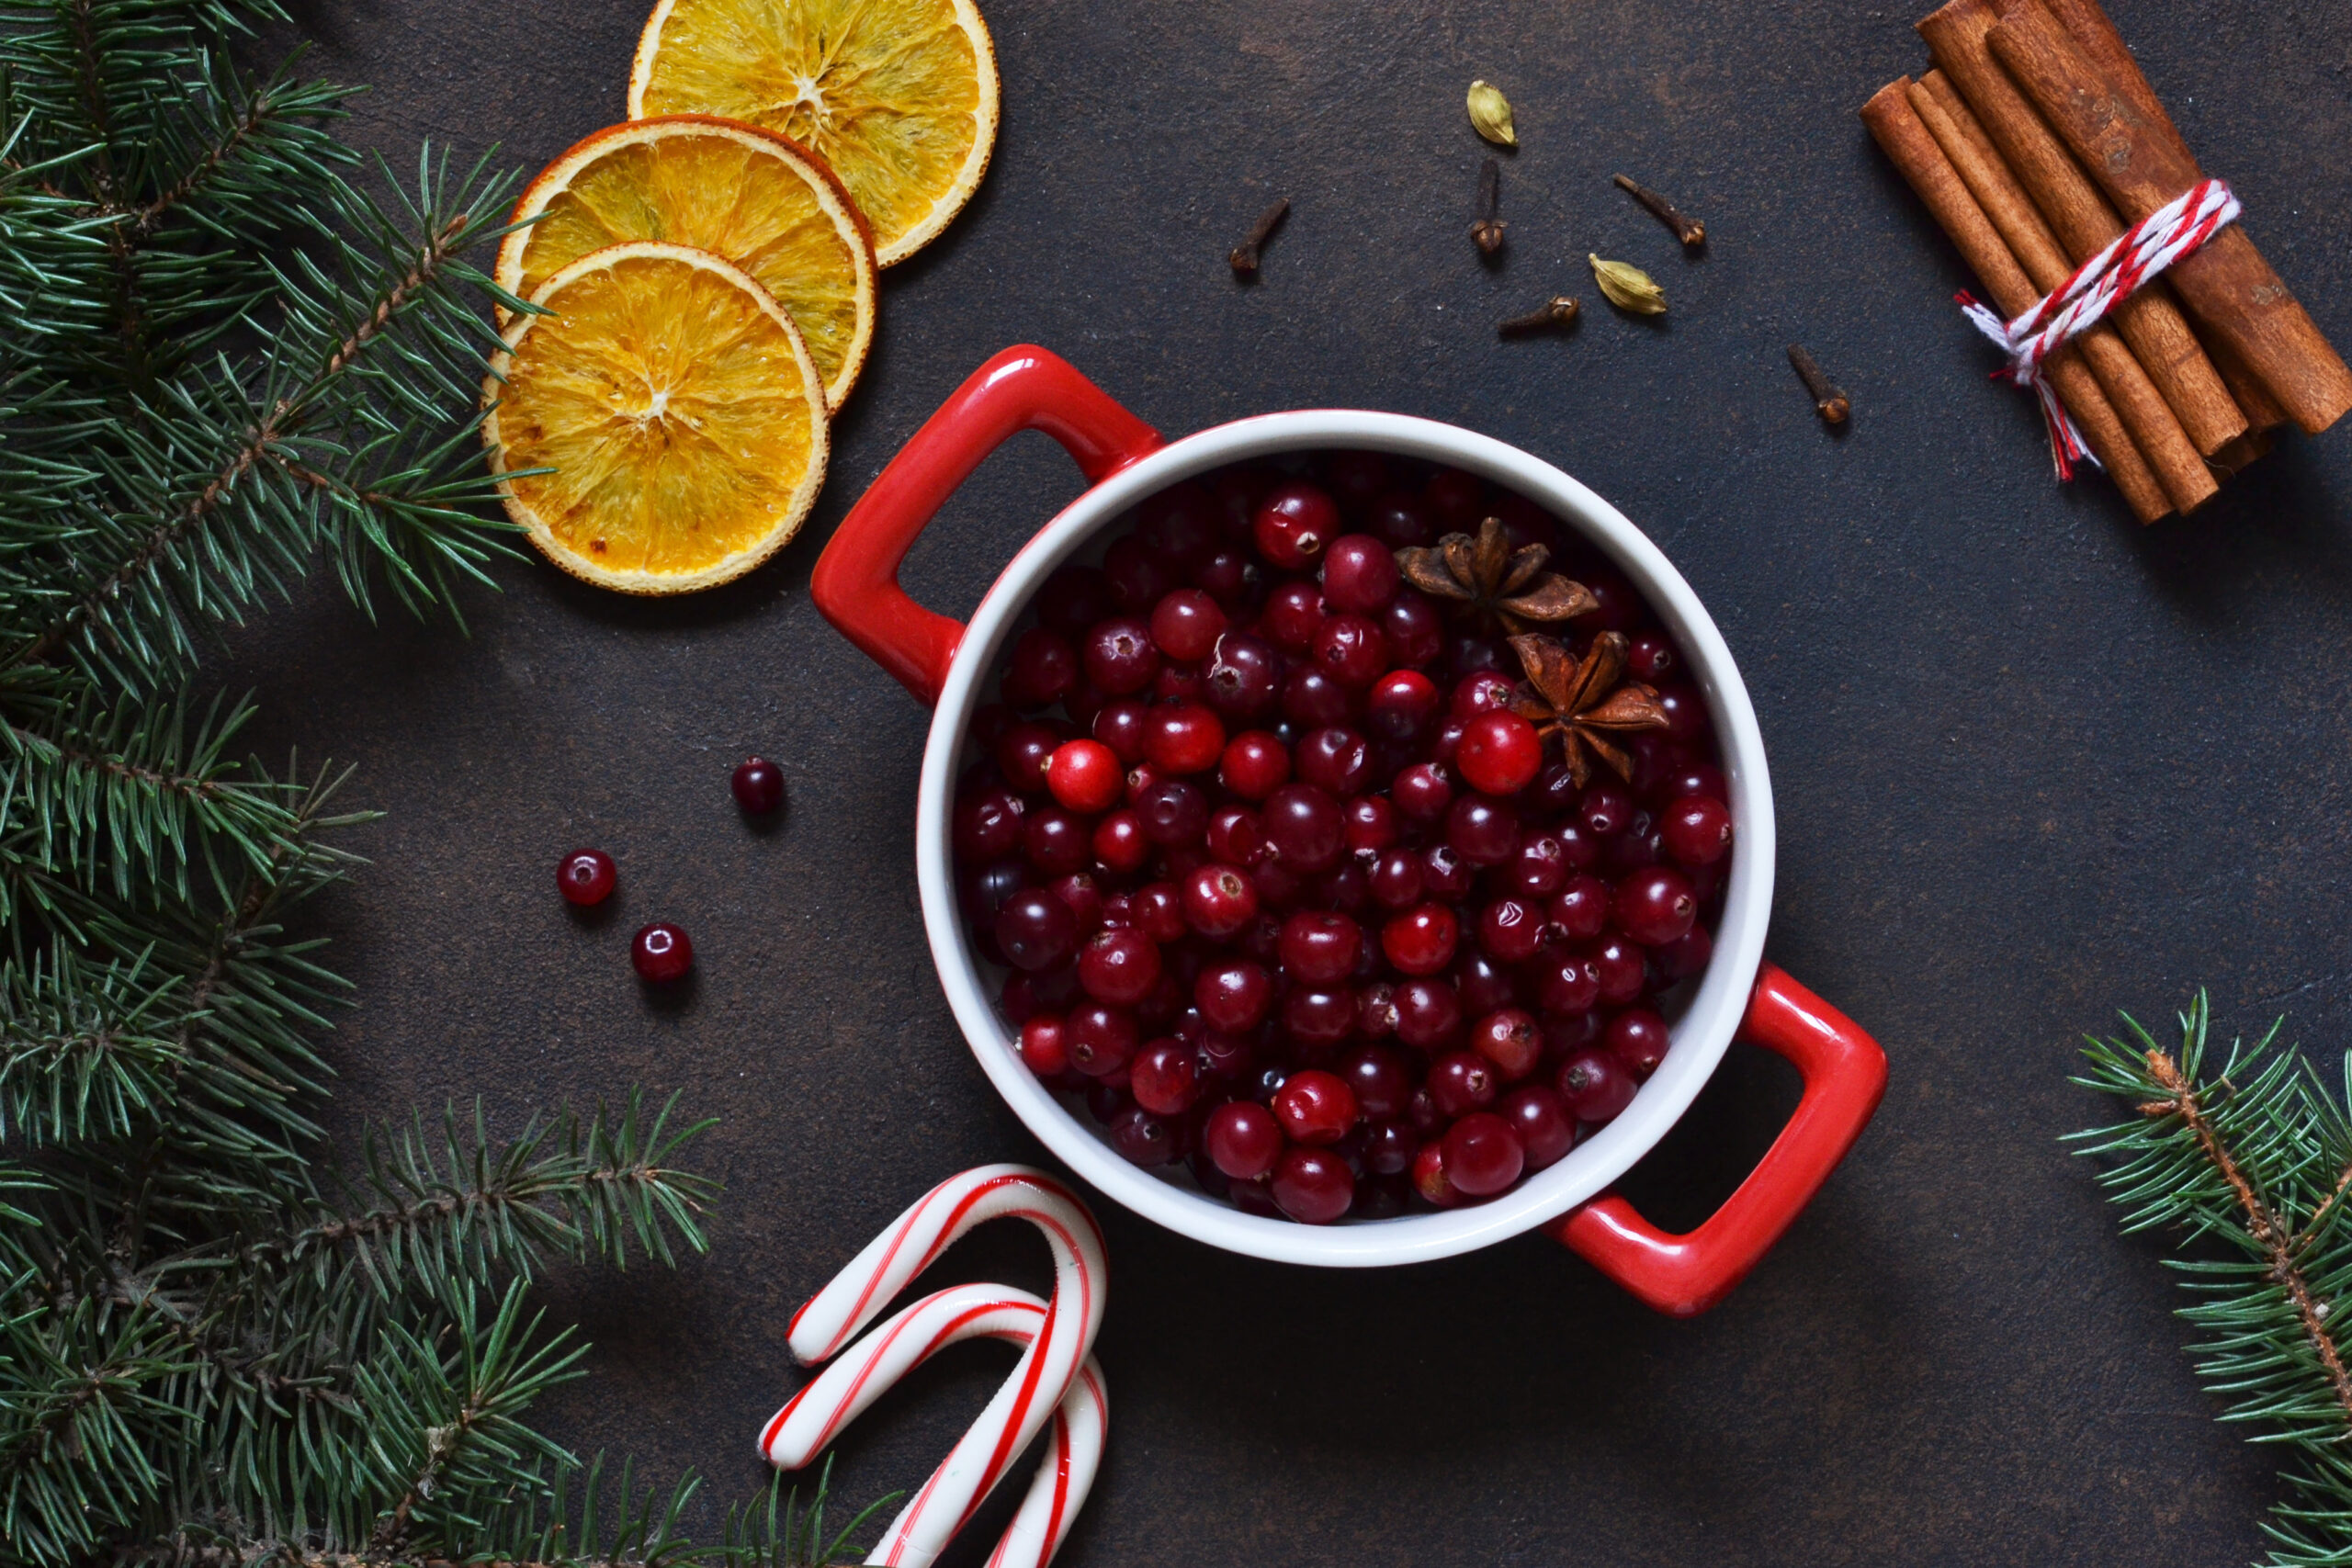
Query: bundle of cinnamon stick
column 2034, row 142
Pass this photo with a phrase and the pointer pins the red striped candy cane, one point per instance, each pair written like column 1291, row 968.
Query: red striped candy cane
column 1046, row 1370
column 815, row 1414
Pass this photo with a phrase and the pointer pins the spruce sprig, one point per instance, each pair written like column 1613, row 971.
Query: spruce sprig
column 2249, row 1161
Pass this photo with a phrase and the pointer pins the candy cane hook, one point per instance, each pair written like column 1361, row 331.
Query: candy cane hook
column 815, row 1414
column 1053, row 1362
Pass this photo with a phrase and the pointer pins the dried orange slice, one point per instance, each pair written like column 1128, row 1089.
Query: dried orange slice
column 737, row 191
column 677, row 413
column 899, row 95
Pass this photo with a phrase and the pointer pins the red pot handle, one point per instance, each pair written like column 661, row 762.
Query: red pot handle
column 856, row 580
column 1845, row 1073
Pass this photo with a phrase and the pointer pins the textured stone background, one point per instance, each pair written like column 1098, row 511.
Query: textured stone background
column 2033, row 763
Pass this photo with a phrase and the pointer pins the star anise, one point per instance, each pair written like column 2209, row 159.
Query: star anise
column 1502, row 590
column 1584, row 703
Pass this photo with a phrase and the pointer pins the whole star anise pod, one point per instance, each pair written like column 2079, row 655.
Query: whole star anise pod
column 1499, row 588
column 1585, row 703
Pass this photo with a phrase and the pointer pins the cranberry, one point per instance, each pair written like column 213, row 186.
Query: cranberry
column 1346, row 889
column 1294, row 523
column 1429, row 1014
column 1511, row 1040
column 1303, row 828
column 1461, row 1082
column 1446, row 742
column 1389, row 1148
column 1041, row 671
column 1481, row 829
column 1178, row 525
column 1397, row 880
column 586, row 877
column 1697, row 829
column 1429, row 1178
column 1639, row 845
column 1638, row 1038
column 1368, row 825
column 1359, row 574
column 1510, row 929
column 1244, row 676
column 1483, row 988
column 1655, row 906
column 1402, row 701
column 1101, row 1039
column 1219, row 902
column 1350, row 650
column 1539, row 867
column 1293, row 613
column 1234, row 996
column 661, row 953
column 1313, row 700
column 1119, row 966
column 1120, row 725
column 1335, row 760
column 1376, row 1010
column 1595, row 1086
column 1320, row 949
column 1500, row 752
column 1141, row 1137
column 1022, row 752
column 1254, row 765
column 1278, row 887
column 1414, row 631
column 1045, row 1045
column 1545, row 1129
column 1457, row 500
column 1073, row 599
column 1606, row 810
column 1119, row 842
column 1119, row 656
column 1444, row 874
column 758, row 785
column 1085, row 775
column 1158, row 911
column 1617, row 964
column 1483, row 690
column 1357, row 477
column 983, row 892
column 1036, row 930
column 1313, row 1186
column 1616, row 606
column 1318, row 1021
column 1173, row 812
column 1316, row 1107
column 1569, row 983
column 985, row 827
column 1137, row 579
column 1423, row 791
column 1565, row 1034
column 1185, row 738
column 1165, row 1078
column 1483, row 1155
column 1580, row 908
column 1400, row 520
column 1381, row 1080
column 1056, row 842
column 1421, row 940
column 1649, row 657
column 1702, row 779
column 1235, row 837
column 1681, row 960
column 1686, row 715
column 1242, row 1139
column 1186, row 624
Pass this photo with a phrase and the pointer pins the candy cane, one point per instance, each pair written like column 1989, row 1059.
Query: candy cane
column 815, row 1414
column 1054, row 1361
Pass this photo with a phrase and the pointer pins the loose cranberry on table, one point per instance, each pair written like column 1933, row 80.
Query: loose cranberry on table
column 586, row 877
column 1299, row 871
column 661, row 953
column 758, row 785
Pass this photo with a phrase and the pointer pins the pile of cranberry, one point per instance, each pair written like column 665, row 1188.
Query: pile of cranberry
column 1285, row 887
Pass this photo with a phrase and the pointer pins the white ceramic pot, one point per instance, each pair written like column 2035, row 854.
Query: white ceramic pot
column 952, row 666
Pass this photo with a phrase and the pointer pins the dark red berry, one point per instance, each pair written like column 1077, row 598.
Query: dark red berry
column 1320, row 949
column 1359, row 573
column 1381, row 1078
column 1512, row 929
column 1100, row 1038
column 1036, row 930
column 1041, row 671
column 1120, row 725
column 1316, row 1107
column 1242, row 1139
column 1429, row 1014
column 1414, row 631
column 1461, row 1082
column 1482, row 829
column 1045, row 1045
column 1511, row 1040
column 1638, row 1038
column 1697, row 829
column 1183, row 738
column 1499, row 753
column 1313, row 1186
column 1186, row 624
column 1293, row 524
column 1429, row 1178
column 585, row 877
column 1219, row 902
column 661, row 953
column 1421, row 940
column 1545, row 1129
column 1235, row 837
column 1119, row 657
column 1244, row 676
column 1655, row 906
column 1141, row 1137
column 1567, row 984
column 1119, row 842
column 1073, row 599
column 1423, row 791
column 1595, row 1086
column 1303, row 828
column 986, row 826
column 1580, row 908
column 758, row 785
column 1085, row 775
column 1234, row 996
column 1119, row 966
column 1350, row 650
column 1165, row 1078
column 1606, row 810
column 1483, row 1155
column 1335, row 761
column 1255, row 764
column 1402, row 702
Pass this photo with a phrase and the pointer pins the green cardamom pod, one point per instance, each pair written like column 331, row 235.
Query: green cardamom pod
column 1628, row 287
column 1490, row 114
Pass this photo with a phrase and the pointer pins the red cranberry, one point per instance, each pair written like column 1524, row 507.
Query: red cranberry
column 1397, row 880
column 1569, row 983
column 1165, row 1078
column 1022, row 753
column 1350, row 650
column 1141, row 1137
column 1481, row 829
column 1484, row 691
column 1137, row 579
column 1444, row 874
column 1119, row 842
column 1119, row 966
column 1219, row 902
column 1655, row 906
column 1120, row 725
column 758, row 785
column 1638, row 1038
column 1316, row 1107
column 1178, row 525
column 1640, row 844
column 1421, row 940
column 1414, row 631
column 1401, row 520
column 586, row 877
column 1381, row 1080
column 1278, row 887
column 1294, row 523
column 1173, row 812
column 1697, row 829
column 1335, row 760
column 1681, row 960
column 1649, row 657
column 1183, row 738
column 1234, row 996
column 661, row 953
column 1368, row 825
column 1429, row 1178
column 1457, row 498
column 1580, row 908
column 1359, row 573
column 1606, row 810
column 1312, row 700
column 1461, row 1082
column 1320, row 949
column 1318, row 1021
column 1545, row 1129
column 1620, row 970
column 1186, row 624
column 1159, row 911
column 1402, row 701
column 1313, row 1186
column 1703, row 779
column 1035, row 930
column 1235, row 837
column 1056, row 842
column 1595, row 1086
column 1119, row 656
column 1483, row 988
column 1429, row 1015
column 1045, row 1045
column 1510, row 929
column 1539, row 867
column 1244, row 676
column 1255, row 764
column 1566, row 1034
column 985, row 827
column 1423, row 791
column 1389, row 1148
column 1686, row 715
column 1243, row 1140
column 984, row 892
column 1499, row 753
column 1483, row 1155
column 1511, row 1040
column 1085, row 775
column 1376, row 1010
column 1303, row 828
column 1101, row 1039
column 1041, row 671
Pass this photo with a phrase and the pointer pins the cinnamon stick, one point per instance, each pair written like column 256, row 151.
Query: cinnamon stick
column 2082, row 219
column 2226, row 282
column 1897, row 127
column 2179, row 465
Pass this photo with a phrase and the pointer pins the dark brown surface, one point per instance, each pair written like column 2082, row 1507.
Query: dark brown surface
column 2031, row 761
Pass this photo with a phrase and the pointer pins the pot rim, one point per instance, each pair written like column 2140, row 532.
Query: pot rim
column 1699, row 1036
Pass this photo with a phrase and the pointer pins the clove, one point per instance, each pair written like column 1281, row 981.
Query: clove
column 1828, row 399
column 1486, row 232
column 1560, row 311
column 1243, row 257
column 1689, row 230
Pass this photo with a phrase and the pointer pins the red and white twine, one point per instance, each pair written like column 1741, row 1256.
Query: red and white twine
column 2140, row 253
column 1055, row 1378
